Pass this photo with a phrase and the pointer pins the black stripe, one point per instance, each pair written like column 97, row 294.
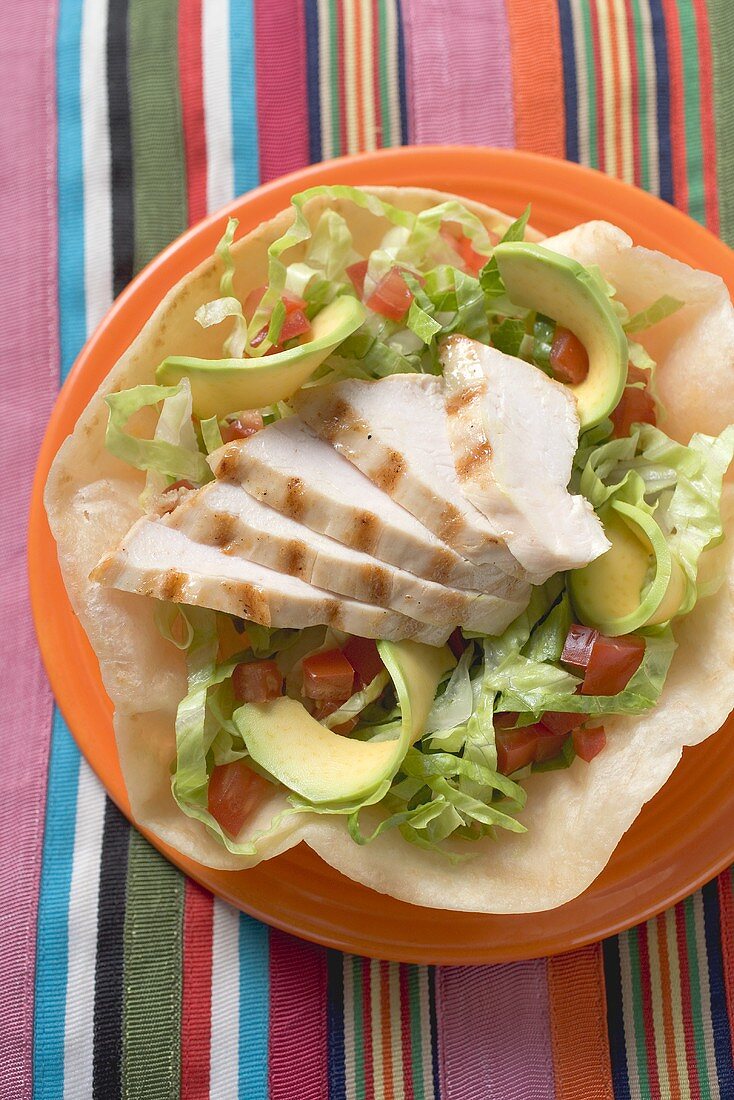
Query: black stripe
column 434, row 1031
column 108, row 976
column 312, row 73
column 570, row 91
column 402, row 78
column 615, row 1018
column 121, row 150
column 335, row 1025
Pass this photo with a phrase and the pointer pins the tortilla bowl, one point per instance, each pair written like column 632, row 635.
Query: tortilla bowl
column 574, row 818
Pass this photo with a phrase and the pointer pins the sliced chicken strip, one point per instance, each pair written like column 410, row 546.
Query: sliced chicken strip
column 395, row 431
column 226, row 516
column 156, row 560
column 291, row 469
column 514, row 433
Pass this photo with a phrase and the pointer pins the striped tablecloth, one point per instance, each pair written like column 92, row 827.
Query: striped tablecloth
column 121, row 122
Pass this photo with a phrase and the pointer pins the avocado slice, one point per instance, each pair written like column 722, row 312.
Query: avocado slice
column 326, row 768
column 221, row 386
column 564, row 290
column 607, row 593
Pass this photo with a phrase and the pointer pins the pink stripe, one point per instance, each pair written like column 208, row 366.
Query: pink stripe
column 459, row 78
column 494, row 1032
column 282, row 101
column 297, row 1054
column 28, row 384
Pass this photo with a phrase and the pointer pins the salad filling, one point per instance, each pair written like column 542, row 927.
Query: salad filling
column 417, row 531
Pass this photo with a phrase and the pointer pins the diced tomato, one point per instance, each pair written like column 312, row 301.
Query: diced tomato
column 561, row 722
column 235, row 792
column 588, row 743
column 457, row 643
column 504, row 721
column 363, row 656
column 569, row 359
column 636, row 407
column 548, row 744
column 637, row 374
column 327, row 675
column 242, row 426
column 473, row 261
column 515, row 748
column 578, row 645
column 296, row 324
column 182, row 484
column 357, row 273
column 612, row 664
column 292, row 302
column 257, row 682
column 391, row 297
column 326, row 707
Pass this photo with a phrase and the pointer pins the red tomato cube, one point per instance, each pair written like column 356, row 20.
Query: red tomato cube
column 588, row 743
column 515, row 748
column 561, row 723
column 257, row 682
column 391, row 297
column 548, row 744
column 357, row 272
column 327, row 675
column 364, row 657
column 636, row 407
column 612, row 665
column 578, row 645
column 235, row 792
column 569, row 359
column 242, row 426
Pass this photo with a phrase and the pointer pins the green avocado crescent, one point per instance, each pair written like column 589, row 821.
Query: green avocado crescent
column 565, row 291
column 221, row 386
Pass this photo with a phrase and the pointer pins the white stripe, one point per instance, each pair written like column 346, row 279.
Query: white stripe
column 393, row 73
column 651, row 86
column 702, row 967
column 368, row 93
column 628, row 1016
column 96, row 163
column 676, row 1001
column 378, row 1068
column 217, row 103
column 225, row 1004
column 426, row 1044
column 607, row 88
column 82, row 928
column 582, row 88
column 653, row 947
column 348, row 964
column 327, row 146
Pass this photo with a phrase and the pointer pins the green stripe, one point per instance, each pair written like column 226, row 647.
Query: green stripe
column 336, row 139
column 382, row 46
column 151, row 1012
column 590, row 84
column 692, row 110
column 633, row 946
column 642, row 105
column 721, row 17
column 157, row 137
column 416, row 1045
column 359, row 1055
column 694, row 962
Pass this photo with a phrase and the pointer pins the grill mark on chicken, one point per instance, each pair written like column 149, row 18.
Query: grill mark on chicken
column 294, row 558
column 249, row 600
column 223, row 529
column 172, row 585
column 365, row 532
column 388, row 475
column 450, row 523
column 442, row 564
column 472, row 458
column 227, row 468
column 294, row 504
column 378, row 587
column 464, row 397
column 338, row 419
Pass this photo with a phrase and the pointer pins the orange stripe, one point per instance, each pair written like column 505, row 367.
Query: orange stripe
column 665, row 997
column 578, row 1025
column 537, row 63
column 387, row 1078
column 358, row 73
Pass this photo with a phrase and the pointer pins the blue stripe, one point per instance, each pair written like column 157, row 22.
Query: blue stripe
column 53, row 915
column 615, row 1019
column 402, row 88
column 245, row 151
column 570, row 90
column 72, row 305
column 312, row 73
column 719, row 1009
column 660, row 45
column 335, row 1026
column 254, row 1009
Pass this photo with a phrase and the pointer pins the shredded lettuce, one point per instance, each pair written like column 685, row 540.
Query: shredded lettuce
column 358, row 701
column 662, row 307
column 228, row 305
column 211, row 434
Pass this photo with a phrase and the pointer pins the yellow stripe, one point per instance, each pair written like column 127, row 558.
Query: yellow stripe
column 368, row 85
column 582, row 86
column 350, row 82
column 657, row 1006
column 676, row 1005
column 651, row 87
column 395, row 1032
column 607, row 89
column 426, row 1033
column 627, row 168
column 391, row 46
column 327, row 148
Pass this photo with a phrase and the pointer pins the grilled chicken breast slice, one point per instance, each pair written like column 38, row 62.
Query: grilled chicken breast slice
column 514, row 432
column 288, row 467
column 155, row 559
column 395, row 431
column 225, row 515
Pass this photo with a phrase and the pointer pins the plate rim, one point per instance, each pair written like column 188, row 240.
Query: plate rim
column 40, row 541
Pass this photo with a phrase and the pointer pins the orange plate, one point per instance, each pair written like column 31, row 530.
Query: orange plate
column 683, row 837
